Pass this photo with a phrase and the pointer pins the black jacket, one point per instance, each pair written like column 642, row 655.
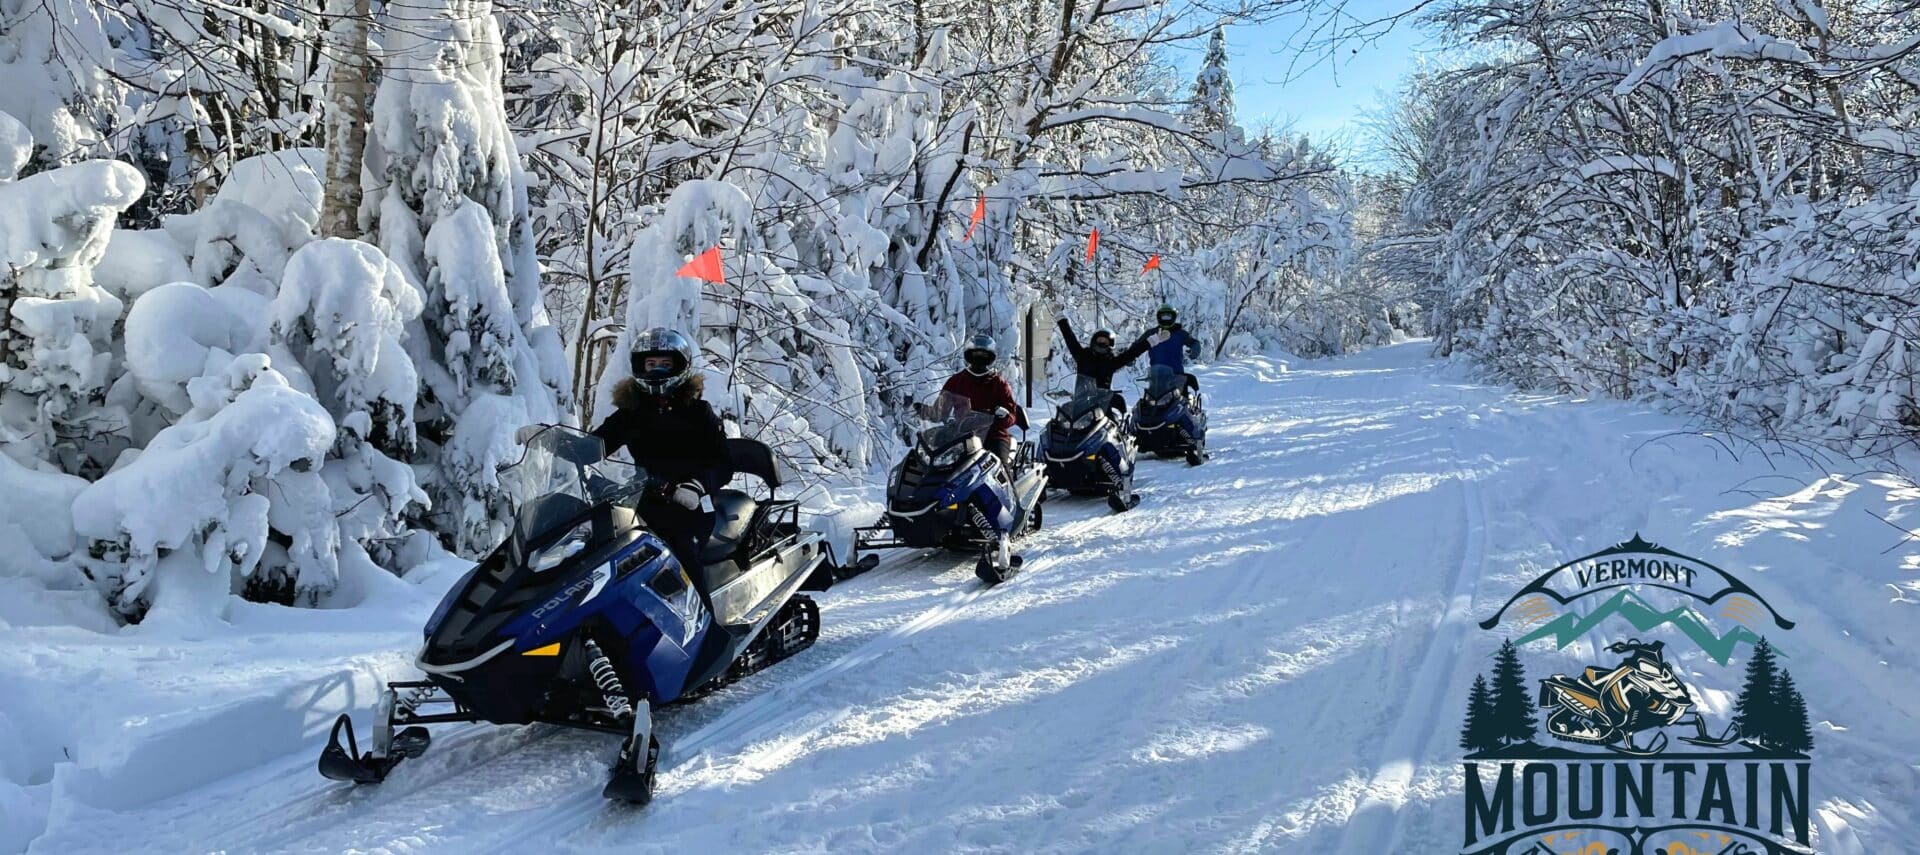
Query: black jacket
column 1098, row 366
column 676, row 440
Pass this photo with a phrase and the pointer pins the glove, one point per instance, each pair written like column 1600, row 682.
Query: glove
column 1001, row 412
column 1160, row 337
column 688, row 495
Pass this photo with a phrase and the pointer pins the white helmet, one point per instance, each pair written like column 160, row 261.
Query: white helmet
column 980, row 355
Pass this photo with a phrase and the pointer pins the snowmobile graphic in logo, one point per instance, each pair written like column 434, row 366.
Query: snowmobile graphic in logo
column 1608, row 707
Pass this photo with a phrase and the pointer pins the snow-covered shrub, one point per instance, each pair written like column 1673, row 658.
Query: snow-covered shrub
column 178, row 332
column 234, row 486
column 56, row 355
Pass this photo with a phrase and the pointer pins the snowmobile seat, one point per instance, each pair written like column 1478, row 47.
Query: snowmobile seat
column 733, row 513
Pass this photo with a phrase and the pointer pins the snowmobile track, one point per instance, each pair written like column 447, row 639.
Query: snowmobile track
column 1372, row 827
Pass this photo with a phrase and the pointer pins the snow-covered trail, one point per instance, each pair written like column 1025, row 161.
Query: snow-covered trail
column 1270, row 654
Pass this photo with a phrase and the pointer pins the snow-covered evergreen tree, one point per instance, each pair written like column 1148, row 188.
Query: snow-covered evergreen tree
column 57, row 357
column 1211, row 109
column 450, row 208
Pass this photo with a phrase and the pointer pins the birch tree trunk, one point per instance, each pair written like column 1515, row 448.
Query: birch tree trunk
column 347, row 98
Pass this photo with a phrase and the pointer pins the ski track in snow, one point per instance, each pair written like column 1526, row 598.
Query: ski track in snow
column 1271, row 653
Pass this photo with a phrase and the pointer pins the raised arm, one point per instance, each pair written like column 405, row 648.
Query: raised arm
column 1073, row 342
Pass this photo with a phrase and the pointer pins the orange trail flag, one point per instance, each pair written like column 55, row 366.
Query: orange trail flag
column 1093, row 244
column 979, row 213
column 1152, row 263
column 705, row 267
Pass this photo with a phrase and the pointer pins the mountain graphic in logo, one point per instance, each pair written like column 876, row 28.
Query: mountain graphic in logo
column 1569, row 627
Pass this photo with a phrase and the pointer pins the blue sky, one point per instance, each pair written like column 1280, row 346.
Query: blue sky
column 1321, row 94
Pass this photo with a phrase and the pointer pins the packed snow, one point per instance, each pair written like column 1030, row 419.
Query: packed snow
column 1271, row 653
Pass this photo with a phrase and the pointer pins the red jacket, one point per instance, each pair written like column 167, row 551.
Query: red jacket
column 988, row 394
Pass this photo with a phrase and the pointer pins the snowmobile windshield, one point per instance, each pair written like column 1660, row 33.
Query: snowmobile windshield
column 1089, row 399
column 1162, row 381
column 949, row 419
column 563, row 461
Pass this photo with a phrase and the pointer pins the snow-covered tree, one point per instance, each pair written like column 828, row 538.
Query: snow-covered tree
column 1211, row 110
column 450, row 208
column 1708, row 205
column 342, row 312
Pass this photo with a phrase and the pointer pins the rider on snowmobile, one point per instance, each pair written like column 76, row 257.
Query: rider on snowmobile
column 987, row 392
column 1098, row 360
column 662, row 421
column 1170, row 345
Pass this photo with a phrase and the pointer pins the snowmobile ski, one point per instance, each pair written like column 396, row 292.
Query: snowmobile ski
column 993, row 573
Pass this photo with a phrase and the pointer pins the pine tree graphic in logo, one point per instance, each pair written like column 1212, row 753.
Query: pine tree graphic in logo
column 1500, row 713
column 1770, row 715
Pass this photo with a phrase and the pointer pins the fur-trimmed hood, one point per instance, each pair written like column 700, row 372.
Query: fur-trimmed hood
column 628, row 395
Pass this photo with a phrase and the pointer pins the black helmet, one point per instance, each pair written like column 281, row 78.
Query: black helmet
column 1102, row 341
column 655, row 343
column 1166, row 316
column 980, row 355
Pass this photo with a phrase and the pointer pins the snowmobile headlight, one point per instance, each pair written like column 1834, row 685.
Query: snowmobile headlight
column 1167, row 399
column 1086, row 421
column 556, row 553
column 950, row 457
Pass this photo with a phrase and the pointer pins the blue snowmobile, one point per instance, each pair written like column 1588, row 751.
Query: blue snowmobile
column 1168, row 421
column 1089, row 448
column 951, row 493
column 584, row 618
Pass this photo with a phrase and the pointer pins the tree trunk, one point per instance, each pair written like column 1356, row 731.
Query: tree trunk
column 349, row 88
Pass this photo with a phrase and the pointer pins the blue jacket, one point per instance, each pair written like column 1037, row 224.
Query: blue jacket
column 1174, row 352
